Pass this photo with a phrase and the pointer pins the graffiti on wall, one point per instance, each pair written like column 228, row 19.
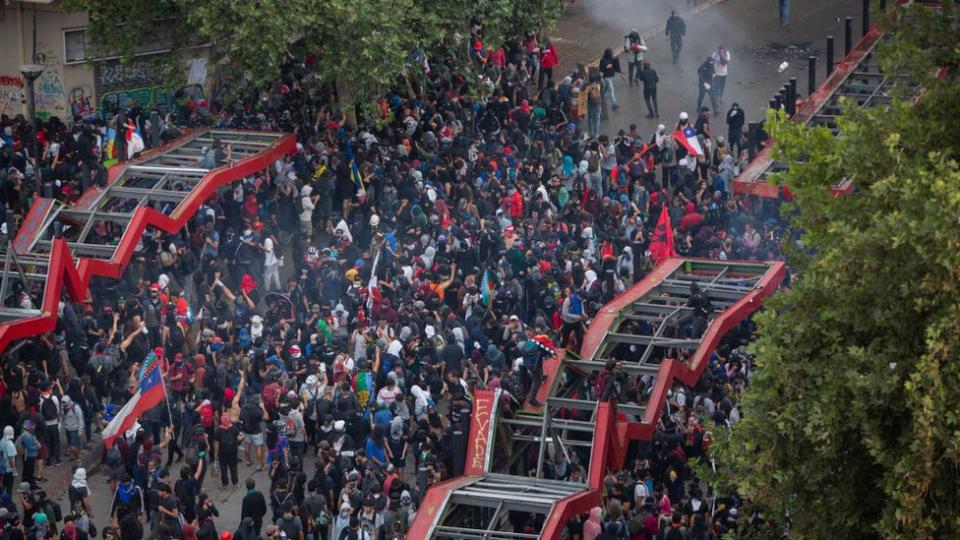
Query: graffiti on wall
column 113, row 75
column 155, row 96
column 50, row 99
column 81, row 101
column 11, row 94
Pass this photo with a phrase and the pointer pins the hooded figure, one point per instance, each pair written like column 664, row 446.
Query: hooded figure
column 344, row 230
column 340, row 522
column 422, row 401
column 567, row 166
column 78, row 489
column 396, row 428
column 593, row 527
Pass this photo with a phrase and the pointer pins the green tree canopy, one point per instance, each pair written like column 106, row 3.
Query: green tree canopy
column 363, row 45
column 851, row 425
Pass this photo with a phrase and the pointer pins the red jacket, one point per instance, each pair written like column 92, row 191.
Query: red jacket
column 549, row 58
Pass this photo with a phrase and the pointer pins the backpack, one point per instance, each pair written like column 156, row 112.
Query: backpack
column 191, row 455
column 76, row 498
column 667, row 155
column 250, row 418
column 269, row 396
column 151, row 313
column 53, row 511
column 576, row 304
column 593, row 161
column 593, row 94
column 48, row 409
column 176, row 337
column 228, row 441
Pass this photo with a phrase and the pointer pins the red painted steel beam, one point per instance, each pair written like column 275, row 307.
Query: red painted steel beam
column 78, row 272
column 433, row 502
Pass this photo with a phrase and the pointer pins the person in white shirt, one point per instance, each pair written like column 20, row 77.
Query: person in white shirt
column 271, row 265
column 8, row 459
column 721, row 61
column 307, row 204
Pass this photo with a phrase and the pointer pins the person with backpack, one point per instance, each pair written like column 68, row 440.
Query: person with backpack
column 252, row 415
column 51, row 509
column 50, row 410
column 73, row 424
column 594, row 103
column 572, row 314
column 128, row 496
column 78, row 493
column 226, row 443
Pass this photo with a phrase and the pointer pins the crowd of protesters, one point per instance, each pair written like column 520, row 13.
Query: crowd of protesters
column 328, row 326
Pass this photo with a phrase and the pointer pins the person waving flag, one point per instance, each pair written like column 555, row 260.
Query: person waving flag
column 150, row 392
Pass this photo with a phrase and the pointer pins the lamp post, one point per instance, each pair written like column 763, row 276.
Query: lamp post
column 31, row 72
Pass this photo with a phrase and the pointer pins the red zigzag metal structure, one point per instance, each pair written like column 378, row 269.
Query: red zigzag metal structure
column 176, row 175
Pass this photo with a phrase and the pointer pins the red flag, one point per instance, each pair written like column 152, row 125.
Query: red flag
column 661, row 244
column 606, row 251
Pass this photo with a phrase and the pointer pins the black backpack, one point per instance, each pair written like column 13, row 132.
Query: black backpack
column 176, row 337
column 48, row 409
column 228, row 440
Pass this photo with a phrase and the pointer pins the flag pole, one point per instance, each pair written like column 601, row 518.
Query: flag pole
column 166, row 396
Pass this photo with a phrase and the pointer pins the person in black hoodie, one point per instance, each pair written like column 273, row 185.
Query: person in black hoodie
column 254, row 506
column 609, row 67
column 735, row 121
column 705, row 74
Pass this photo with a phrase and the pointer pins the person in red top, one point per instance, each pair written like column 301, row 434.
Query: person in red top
column 515, row 203
column 691, row 220
column 181, row 376
column 548, row 60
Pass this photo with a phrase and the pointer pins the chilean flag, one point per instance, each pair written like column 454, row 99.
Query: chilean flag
column 150, row 393
column 687, row 137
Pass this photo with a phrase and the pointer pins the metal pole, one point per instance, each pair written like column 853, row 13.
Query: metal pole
column 459, row 453
column 774, row 102
column 866, row 16
column 752, row 129
column 11, row 224
column 32, row 119
column 792, row 96
column 847, row 35
column 811, row 75
column 829, row 55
